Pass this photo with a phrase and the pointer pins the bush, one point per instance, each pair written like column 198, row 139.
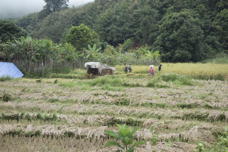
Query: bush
column 6, row 97
column 39, row 57
column 5, row 78
column 81, row 36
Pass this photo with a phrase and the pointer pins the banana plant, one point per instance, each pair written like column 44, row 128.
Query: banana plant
column 93, row 52
column 124, row 139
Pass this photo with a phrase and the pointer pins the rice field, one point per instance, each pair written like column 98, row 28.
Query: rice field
column 70, row 112
column 196, row 70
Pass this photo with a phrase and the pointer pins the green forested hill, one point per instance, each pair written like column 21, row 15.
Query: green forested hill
column 182, row 30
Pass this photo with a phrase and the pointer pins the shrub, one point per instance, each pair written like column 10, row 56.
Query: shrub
column 69, row 134
column 39, row 57
column 5, row 78
column 129, row 122
column 38, row 81
column 6, row 97
column 81, row 36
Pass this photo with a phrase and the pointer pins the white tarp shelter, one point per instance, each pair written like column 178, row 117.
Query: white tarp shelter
column 8, row 69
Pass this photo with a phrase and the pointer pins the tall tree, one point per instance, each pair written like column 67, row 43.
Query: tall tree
column 181, row 37
column 81, row 36
column 10, row 31
column 53, row 6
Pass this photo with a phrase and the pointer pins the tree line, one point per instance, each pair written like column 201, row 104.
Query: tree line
column 118, row 31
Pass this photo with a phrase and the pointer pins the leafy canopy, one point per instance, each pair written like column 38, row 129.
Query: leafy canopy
column 81, row 36
column 10, row 31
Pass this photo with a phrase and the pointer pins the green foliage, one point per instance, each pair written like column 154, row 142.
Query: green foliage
column 221, row 24
column 29, row 117
column 204, row 117
column 6, row 97
column 113, row 81
column 157, row 82
column 10, row 31
column 177, row 79
column 81, row 36
column 209, row 77
column 181, row 37
column 5, row 78
column 39, row 81
column 130, row 122
column 39, row 56
column 181, row 30
column 221, row 58
column 154, row 140
column 221, row 145
column 124, row 139
column 160, row 81
column 127, row 45
column 53, row 5
column 93, row 52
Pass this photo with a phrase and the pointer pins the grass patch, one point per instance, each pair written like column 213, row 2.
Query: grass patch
column 204, row 76
column 157, row 82
column 162, row 80
column 69, row 84
column 177, row 79
column 218, row 59
column 106, row 80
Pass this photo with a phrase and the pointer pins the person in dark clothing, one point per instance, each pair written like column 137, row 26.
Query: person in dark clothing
column 127, row 68
column 159, row 67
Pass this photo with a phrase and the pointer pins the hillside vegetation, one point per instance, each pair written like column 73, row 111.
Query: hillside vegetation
column 182, row 31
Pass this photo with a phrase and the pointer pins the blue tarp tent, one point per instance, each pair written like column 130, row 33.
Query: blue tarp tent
column 8, row 69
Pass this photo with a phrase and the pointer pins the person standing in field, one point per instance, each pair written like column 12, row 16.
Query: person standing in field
column 127, row 68
column 151, row 70
column 159, row 67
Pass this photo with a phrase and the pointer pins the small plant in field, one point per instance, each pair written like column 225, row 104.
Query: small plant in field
column 131, row 122
column 69, row 134
column 38, row 81
column 154, row 140
column 124, row 139
column 200, row 147
column 6, row 97
column 56, row 81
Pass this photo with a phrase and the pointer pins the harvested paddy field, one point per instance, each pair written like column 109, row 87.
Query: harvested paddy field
column 172, row 112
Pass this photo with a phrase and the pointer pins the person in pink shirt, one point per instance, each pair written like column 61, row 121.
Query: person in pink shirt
column 151, row 70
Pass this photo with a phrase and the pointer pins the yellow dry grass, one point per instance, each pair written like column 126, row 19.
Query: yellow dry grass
column 201, row 70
